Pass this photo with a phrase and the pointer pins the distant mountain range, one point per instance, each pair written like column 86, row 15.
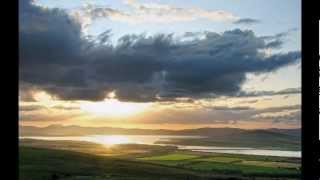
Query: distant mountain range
column 282, row 139
column 59, row 130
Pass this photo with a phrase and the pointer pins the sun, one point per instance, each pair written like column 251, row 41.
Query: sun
column 113, row 107
column 114, row 139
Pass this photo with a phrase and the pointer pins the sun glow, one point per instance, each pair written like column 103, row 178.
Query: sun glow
column 42, row 96
column 114, row 107
column 111, row 140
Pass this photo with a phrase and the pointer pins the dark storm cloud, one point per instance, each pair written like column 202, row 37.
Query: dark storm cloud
column 247, row 21
column 56, row 58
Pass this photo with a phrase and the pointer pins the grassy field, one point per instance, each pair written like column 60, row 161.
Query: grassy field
column 48, row 164
column 264, row 142
column 67, row 161
column 230, row 164
column 170, row 157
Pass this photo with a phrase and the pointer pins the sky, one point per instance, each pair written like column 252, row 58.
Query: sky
column 160, row 64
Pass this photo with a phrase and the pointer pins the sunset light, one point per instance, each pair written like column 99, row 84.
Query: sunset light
column 113, row 107
column 113, row 140
column 159, row 89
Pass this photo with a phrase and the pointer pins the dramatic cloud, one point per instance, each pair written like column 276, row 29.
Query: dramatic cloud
column 287, row 114
column 225, row 114
column 56, row 58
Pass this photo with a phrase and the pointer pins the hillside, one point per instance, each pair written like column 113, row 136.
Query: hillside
column 59, row 130
column 281, row 139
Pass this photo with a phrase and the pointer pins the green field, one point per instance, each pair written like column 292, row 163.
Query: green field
column 227, row 164
column 170, row 157
column 263, row 141
column 65, row 160
column 48, row 164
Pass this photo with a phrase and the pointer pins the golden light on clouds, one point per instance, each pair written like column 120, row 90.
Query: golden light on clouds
column 43, row 97
column 180, row 114
column 113, row 107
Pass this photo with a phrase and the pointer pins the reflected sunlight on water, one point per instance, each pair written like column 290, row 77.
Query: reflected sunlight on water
column 109, row 140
